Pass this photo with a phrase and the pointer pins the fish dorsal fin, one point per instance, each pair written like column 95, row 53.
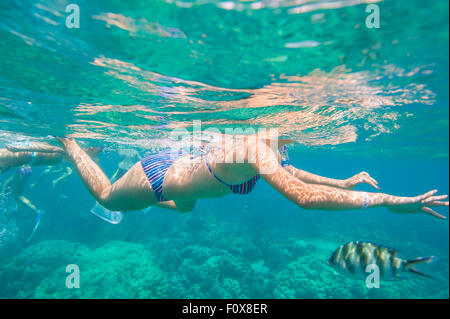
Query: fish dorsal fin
column 420, row 260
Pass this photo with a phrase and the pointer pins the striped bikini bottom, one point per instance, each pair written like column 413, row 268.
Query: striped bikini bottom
column 156, row 166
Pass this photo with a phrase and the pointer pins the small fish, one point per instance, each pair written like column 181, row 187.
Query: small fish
column 353, row 258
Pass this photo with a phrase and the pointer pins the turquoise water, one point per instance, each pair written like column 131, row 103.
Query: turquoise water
column 354, row 98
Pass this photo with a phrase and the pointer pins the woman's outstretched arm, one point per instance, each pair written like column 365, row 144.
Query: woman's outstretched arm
column 313, row 196
column 348, row 183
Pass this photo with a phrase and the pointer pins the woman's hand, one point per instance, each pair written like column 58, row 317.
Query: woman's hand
column 360, row 178
column 418, row 204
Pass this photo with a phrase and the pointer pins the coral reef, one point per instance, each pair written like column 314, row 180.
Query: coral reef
column 202, row 264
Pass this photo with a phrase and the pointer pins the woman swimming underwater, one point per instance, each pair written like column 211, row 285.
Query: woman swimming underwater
column 176, row 181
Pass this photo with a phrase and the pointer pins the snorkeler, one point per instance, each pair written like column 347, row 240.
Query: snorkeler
column 62, row 172
column 15, row 184
column 176, row 182
column 13, row 156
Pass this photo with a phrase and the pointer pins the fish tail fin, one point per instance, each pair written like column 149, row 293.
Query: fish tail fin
column 420, row 260
column 415, row 271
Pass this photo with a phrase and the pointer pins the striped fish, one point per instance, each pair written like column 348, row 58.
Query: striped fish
column 353, row 258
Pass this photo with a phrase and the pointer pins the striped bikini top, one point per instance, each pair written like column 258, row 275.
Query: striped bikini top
column 247, row 186
column 241, row 189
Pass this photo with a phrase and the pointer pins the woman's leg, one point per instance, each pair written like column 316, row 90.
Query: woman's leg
column 33, row 147
column 10, row 159
column 131, row 192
